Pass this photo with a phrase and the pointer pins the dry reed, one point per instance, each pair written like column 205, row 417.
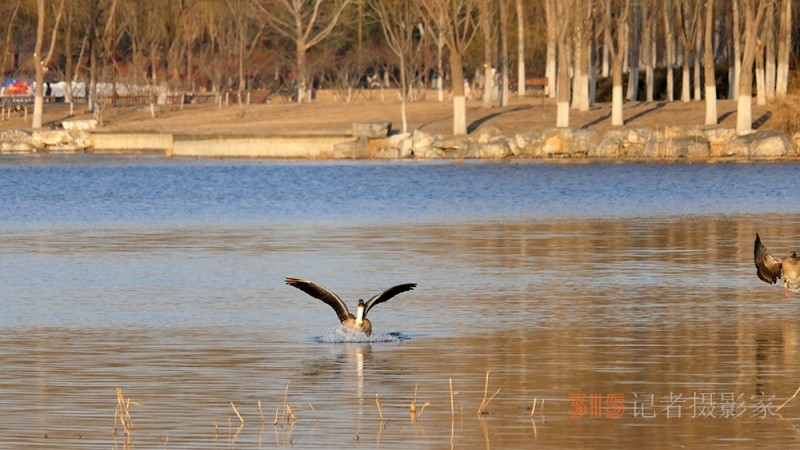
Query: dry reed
column 788, row 399
column 485, row 402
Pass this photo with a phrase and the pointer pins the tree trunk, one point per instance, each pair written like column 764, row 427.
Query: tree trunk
column 784, row 48
column 769, row 63
column 504, row 52
column 744, row 112
column 686, row 78
column 38, row 101
column 708, row 55
column 698, row 63
column 486, row 29
column 737, row 49
column 761, row 95
column 552, row 38
column 634, row 45
column 403, row 93
column 300, row 75
column 616, row 92
column 562, row 120
column 439, row 70
column 669, row 55
column 459, row 102
column 520, row 49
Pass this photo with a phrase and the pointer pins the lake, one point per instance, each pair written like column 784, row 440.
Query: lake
column 576, row 306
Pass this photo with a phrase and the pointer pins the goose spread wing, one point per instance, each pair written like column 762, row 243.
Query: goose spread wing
column 768, row 267
column 387, row 294
column 322, row 293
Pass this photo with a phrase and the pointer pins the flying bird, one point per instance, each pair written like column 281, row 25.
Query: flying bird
column 358, row 321
column 770, row 268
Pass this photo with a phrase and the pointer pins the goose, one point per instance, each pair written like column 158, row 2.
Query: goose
column 359, row 321
column 769, row 268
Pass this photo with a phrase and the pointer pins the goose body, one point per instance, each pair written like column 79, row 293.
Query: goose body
column 770, row 269
column 358, row 321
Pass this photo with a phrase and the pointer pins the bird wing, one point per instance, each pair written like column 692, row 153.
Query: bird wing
column 321, row 292
column 768, row 267
column 387, row 294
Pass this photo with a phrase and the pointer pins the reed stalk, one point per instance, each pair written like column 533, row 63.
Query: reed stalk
column 788, row 400
column 233, row 405
column 485, row 402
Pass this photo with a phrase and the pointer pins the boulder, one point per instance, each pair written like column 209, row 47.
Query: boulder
column 687, row 147
column 718, row 139
column 421, row 141
column 529, row 144
column 372, row 130
column 355, row 149
column 611, row 146
column 568, row 142
column 761, row 145
column 49, row 138
column 486, row 133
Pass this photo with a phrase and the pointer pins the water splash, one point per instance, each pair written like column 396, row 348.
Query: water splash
column 340, row 334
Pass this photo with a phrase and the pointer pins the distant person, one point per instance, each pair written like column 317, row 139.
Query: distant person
column 48, row 91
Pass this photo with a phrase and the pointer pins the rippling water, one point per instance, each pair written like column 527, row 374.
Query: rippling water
column 630, row 285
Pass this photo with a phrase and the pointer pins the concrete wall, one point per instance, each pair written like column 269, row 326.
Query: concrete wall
column 260, row 146
column 131, row 142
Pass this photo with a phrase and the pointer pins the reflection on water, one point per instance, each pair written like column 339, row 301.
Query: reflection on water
column 637, row 332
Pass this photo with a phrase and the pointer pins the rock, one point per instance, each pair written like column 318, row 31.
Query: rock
column 687, row 147
column 761, row 145
column 84, row 124
column 421, row 142
column 469, row 150
column 15, row 136
column 796, row 139
column 48, row 138
column 372, row 130
column 486, row 133
column 718, row 139
column 435, row 153
column 611, row 146
column 81, row 139
column 16, row 147
column 453, row 143
column 355, row 149
column 387, row 153
column 64, row 148
column 672, row 131
column 529, row 144
column 568, row 142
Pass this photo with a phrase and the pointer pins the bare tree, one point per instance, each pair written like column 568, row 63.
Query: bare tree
column 552, row 43
column 305, row 23
column 521, row 49
column 503, row 5
column 634, row 43
column 10, row 11
column 687, row 19
column 616, row 15
column 485, row 21
column 40, row 63
column 397, row 18
column 669, row 54
column 784, row 46
column 565, row 18
column 455, row 20
column 753, row 11
column 584, row 19
column 649, row 19
column 708, row 62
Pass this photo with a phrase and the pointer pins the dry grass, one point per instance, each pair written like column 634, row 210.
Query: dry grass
column 785, row 114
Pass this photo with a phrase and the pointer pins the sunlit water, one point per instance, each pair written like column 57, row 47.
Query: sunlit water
column 630, row 285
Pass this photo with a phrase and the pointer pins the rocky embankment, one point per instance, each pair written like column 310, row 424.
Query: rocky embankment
column 663, row 145
column 375, row 140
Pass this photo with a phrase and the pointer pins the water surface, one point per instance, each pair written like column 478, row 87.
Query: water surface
column 627, row 284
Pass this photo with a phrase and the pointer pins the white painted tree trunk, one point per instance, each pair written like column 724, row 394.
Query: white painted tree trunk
column 761, row 88
column 562, row 119
column 744, row 114
column 686, row 79
column 459, row 115
column 616, row 105
column 604, row 71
